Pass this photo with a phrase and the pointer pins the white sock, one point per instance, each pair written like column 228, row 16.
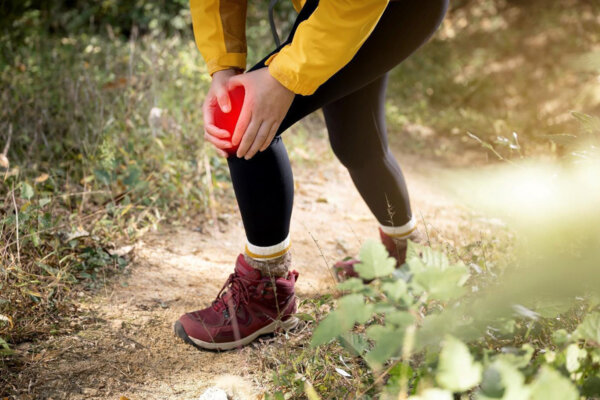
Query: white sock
column 273, row 261
column 400, row 232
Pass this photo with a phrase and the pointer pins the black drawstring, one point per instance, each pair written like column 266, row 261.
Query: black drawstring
column 272, row 4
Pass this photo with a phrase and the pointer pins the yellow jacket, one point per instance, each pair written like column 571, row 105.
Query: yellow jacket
column 322, row 44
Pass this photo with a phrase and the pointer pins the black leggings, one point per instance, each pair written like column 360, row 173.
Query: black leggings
column 353, row 102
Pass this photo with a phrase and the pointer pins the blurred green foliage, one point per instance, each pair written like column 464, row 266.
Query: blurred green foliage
column 68, row 17
column 498, row 67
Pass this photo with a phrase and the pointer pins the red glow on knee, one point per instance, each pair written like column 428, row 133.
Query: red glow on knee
column 229, row 120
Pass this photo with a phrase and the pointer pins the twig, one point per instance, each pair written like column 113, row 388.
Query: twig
column 7, row 145
column 4, row 157
column 211, row 194
column 17, row 223
column 322, row 256
column 426, row 230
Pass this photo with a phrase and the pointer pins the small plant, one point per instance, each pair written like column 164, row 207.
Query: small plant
column 393, row 324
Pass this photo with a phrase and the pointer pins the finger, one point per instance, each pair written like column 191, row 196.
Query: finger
column 221, row 144
column 246, row 111
column 208, row 110
column 261, row 136
column 242, row 123
column 222, row 153
column 223, row 99
column 217, row 132
column 248, row 138
column 270, row 138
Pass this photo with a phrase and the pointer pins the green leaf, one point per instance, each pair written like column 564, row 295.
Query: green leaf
column 355, row 308
column 5, row 349
column 351, row 310
column 591, row 387
column 133, row 176
column 399, row 374
column 388, row 341
column 433, row 258
column 354, row 343
column 375, row 261
column 351, row 285
column 433, row 273
column 519, row 358
column 49, row 270
column 304, row 316
column 275, row 396
column 413, row 250
column 573, row 356
column 394, row 290
column 560, row 337
column 551, row 385
column 503, row 381
column 26, row 191
column 457, row 371
column 441, row 284
column 401, row 319
column 589, row 329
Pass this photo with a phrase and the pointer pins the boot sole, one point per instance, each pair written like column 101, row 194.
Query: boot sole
column 286, row 325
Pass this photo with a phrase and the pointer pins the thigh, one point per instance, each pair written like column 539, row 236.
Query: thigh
column 404, row 26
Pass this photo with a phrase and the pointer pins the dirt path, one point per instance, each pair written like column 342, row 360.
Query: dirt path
column 129, row 349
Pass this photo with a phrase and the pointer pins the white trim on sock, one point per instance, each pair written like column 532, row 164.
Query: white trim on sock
column 268, row 252
column 400, row 231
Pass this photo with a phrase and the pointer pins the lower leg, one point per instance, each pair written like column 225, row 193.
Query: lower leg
column 358, row 136
column 381, row 183
column 264, row 189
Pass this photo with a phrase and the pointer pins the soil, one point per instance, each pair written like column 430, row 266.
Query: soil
column 129, row 348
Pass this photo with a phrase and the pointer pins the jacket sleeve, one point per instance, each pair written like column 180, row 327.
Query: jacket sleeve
column 325, row 42
column 220, row 32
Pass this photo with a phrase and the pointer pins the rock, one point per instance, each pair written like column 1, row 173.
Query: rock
column 214, row 393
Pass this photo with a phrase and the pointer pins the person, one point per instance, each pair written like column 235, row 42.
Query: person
column 336, row 57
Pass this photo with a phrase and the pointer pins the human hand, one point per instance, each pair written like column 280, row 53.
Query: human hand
column 218, row 97
column 266, row 103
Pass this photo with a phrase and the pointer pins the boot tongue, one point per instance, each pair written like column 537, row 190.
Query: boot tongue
column 246, row 271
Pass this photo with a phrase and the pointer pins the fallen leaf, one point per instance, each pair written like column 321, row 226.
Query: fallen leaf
column 68, row 236
column 42, row 178
column 4, row 163
column 121, row 251
column 7, row 319
column 115, row 84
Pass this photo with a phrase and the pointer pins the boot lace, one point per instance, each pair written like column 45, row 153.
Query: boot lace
column 236, row 289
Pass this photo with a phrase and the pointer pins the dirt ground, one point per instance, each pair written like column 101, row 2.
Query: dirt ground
column 129, row 349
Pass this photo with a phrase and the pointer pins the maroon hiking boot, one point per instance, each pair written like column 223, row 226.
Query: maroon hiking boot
column 343, row 270
column 248, row 306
